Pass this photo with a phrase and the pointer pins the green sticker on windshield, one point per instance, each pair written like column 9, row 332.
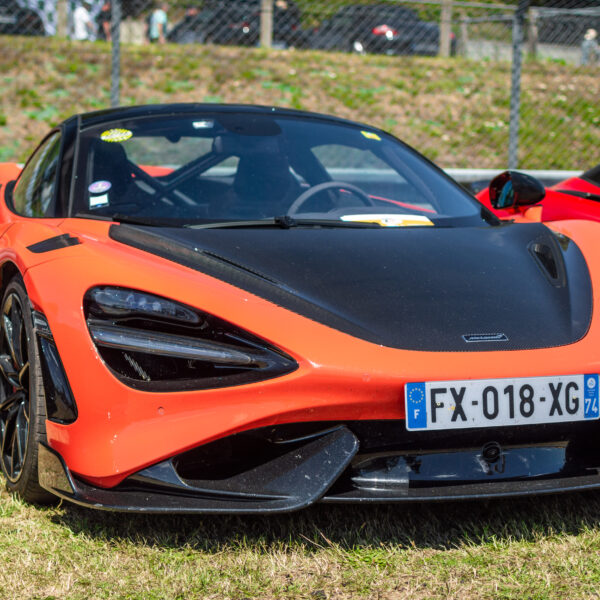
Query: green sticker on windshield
column 116, row 135
column 371, row 136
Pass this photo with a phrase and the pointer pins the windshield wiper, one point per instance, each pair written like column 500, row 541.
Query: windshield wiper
column 286, row 222
column 148, row 221
column 127, row 219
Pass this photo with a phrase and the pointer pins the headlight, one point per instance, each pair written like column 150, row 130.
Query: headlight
column 110, row 302
column 158, row 344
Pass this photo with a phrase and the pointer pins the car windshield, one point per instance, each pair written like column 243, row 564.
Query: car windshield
column 236, row 166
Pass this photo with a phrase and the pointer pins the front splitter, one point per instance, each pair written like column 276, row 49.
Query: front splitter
column 290, row 482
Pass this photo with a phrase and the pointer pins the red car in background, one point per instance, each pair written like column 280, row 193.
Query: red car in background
column 512, row 195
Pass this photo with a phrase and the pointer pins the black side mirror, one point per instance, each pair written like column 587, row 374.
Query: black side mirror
column 512, row 188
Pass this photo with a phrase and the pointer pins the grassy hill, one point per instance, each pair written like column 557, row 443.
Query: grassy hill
column 455, row 111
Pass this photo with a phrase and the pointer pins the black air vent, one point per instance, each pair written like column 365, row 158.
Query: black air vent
column 550, row 261
column 54, row 243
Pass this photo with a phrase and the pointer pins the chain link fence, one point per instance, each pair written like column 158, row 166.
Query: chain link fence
column 510, row 59
column 391, row 28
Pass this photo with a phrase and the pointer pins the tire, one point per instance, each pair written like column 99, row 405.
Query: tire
column 22, row 402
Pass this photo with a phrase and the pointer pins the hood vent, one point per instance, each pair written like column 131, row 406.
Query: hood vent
column 550, row 260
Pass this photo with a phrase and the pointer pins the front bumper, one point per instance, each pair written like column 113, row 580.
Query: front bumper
column 285, row 468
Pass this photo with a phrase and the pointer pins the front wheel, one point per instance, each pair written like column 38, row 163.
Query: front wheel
column 22, row 403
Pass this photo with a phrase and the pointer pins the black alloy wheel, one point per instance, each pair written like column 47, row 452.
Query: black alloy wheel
column 22, row 404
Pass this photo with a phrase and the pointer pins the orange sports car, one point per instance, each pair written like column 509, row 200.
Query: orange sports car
column 215, row 308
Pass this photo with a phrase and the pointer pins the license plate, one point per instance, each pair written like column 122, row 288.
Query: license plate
column 436, row 405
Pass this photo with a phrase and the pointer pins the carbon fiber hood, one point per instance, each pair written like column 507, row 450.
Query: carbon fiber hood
column 514, row 286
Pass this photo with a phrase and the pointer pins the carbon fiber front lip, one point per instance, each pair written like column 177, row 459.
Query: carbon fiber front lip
column 290, row 482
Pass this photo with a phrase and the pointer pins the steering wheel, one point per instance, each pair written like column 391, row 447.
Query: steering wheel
column 328, row 185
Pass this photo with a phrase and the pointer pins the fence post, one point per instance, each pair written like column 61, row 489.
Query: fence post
column 115, row 34
column 445, row 27
column 463, row 36
column 515, row 86
column 266, row 23
column 61, row 19
column 532, row 33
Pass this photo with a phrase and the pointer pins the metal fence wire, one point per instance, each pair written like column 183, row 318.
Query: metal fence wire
column 493, row 38
column 383, row 28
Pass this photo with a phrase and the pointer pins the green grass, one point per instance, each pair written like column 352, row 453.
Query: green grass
column 540, row 548
column 455, row 111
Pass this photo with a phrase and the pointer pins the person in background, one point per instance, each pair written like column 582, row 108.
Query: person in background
column 191, row 12
column 189, row 23
column 157, row 29
column 83, row 27
column 590, row 51
column 103, row 21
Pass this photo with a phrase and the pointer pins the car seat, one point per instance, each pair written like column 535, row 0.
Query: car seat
column 108, row 162
column 263, row 184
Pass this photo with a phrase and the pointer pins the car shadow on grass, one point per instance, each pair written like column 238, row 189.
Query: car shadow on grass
column 436, row 526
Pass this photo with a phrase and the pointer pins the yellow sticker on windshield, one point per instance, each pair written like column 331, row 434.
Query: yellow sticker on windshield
column 371, row 136
column 116, row 135
column 390, row 220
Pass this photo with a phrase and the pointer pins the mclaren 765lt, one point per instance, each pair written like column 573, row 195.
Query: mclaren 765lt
column 215, row 308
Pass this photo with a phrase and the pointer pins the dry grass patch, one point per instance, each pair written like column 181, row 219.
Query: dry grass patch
column 539, row 548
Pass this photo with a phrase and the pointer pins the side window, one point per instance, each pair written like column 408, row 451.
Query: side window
column 35, row 188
